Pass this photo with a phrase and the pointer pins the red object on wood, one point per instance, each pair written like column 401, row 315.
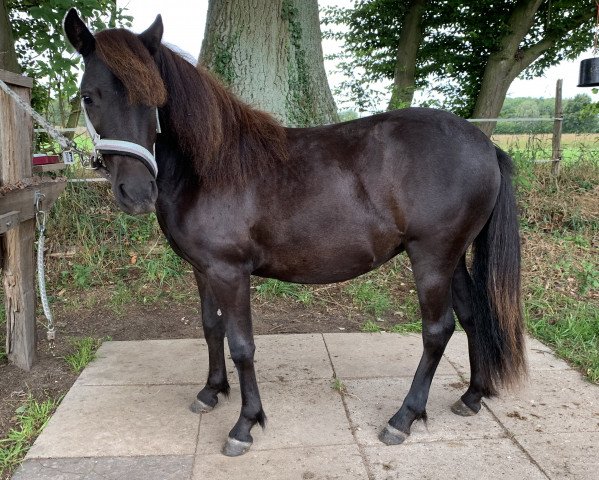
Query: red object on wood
column 43, row 159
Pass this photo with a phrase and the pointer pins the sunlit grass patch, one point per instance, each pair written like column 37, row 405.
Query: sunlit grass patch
column 31, row 418
column 85, row 352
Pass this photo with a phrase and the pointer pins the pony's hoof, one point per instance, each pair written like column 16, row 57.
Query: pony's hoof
column 461, row 409
column 200, row 407
column 392, row 436
column 234, row 447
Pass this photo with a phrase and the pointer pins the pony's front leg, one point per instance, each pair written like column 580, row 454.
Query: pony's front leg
column 214, row 332
column 231, row 295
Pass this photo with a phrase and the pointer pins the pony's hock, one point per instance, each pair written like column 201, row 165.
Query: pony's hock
column 237, row 194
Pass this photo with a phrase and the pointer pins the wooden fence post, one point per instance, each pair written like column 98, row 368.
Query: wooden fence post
column 16, row 130
column 556, row 144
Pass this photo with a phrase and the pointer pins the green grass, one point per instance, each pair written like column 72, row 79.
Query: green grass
column 272, row 288
column 370, row 296
column 31, row 418
column 569, row 326
column 409, row 327
column 85, row 352
column 370, row 327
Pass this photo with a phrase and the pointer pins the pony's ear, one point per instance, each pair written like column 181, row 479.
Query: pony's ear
column 152, row 37
column 78, row 34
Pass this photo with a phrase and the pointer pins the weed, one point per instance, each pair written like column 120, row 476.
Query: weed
column 31, row 418
column 82, row 275
column 371, row 297
column 410, row 327
column 85, row 352
column 588, row 278
column 370, row 326
column 338, row 385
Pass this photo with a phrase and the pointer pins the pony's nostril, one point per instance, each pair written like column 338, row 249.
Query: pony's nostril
column 154, row 189
column 122, row 191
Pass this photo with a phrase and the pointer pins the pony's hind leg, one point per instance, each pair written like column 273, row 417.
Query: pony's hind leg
column 469, row 403
column 214, row 332
column 433, row 282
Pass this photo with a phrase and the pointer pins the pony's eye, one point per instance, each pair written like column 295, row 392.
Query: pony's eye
column 87, row 100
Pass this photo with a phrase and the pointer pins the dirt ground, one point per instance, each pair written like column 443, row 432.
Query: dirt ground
column 51, row 376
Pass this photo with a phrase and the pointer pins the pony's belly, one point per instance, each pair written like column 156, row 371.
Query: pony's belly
column 333, row 266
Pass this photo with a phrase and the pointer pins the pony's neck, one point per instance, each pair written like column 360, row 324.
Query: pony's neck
column 224, row 140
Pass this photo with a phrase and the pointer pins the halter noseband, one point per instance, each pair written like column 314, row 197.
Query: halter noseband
column 131, row 149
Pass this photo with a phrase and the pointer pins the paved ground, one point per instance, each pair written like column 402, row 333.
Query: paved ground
column 127, row 416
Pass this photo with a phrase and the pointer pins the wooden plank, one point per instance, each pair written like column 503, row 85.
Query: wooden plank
column 16, row 130
column 16, row 137
column 12, row 78
column 19, row 290
column 556, row 143
column 23, row 199
column 8, row 221
column 50, row 167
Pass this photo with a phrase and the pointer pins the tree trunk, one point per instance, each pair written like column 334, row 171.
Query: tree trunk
column 404, row 81
column 506, row 64
column 270, row 54
column 8, row 54
column 74, row 114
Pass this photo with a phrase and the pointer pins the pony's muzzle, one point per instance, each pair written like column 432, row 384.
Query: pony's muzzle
column 137, row 198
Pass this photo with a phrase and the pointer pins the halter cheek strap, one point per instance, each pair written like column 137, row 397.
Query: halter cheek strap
column 109, row 146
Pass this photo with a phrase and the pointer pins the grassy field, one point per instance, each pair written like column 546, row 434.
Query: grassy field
column 575, row 147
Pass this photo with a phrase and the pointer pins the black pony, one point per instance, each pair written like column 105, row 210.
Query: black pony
column 237, row 194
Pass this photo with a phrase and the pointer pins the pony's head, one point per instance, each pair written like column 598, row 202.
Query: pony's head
column 120, row 91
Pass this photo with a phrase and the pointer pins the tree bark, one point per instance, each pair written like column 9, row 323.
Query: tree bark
column 270, row 54
column 404, row 79
column 8, row 54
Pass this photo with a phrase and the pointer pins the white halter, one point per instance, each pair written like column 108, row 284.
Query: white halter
column 131, row 149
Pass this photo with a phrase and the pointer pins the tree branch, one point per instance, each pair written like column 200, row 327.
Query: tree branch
column 530, row 54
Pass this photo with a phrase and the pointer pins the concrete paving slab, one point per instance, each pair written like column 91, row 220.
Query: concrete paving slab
column 490, row 459
column 300, row 414
column 371, row 355
column 121, row 421
column 571, row 456
column 550, row 402
column 148, row 362
column 177, row 362
column 291, row 357
column 372, row 402
column 316, row 463
column 539, row 356
column 107, row 468
column 144, row 427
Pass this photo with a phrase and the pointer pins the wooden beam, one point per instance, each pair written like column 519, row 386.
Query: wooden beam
column 22, row 200
column 12, row 78
column 16, row 130
column 8, row 221
column 49, row 167
column 556, row 142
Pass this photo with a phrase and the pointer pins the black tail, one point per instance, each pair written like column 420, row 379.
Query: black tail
column 496, row 290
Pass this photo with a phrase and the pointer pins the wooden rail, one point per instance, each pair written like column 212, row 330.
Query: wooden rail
column 17, row 220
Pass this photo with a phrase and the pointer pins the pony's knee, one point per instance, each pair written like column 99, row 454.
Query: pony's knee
column 242, row 351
